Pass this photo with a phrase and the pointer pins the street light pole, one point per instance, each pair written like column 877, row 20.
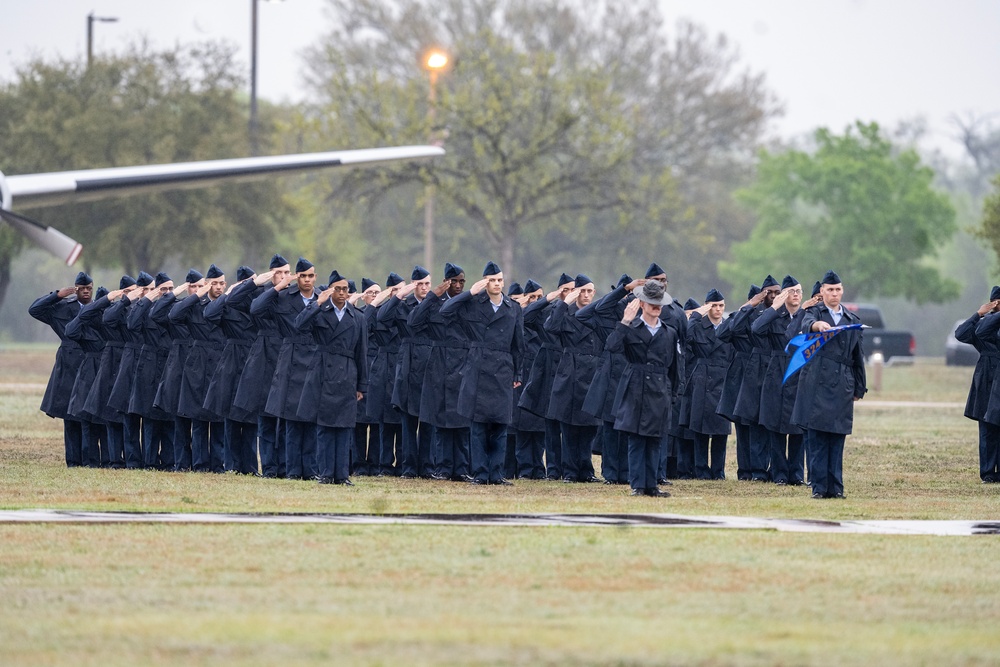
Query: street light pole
column 254, row 146
column 435, row 61
column 90, row 33
column 254, row 128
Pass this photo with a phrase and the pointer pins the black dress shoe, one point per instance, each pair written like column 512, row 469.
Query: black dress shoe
column 818, row 496
column 666, row 482
column 479, row 482
column 407, row 476
column 344, row 482
column 325, row 480
column 657, row 493
column 461, row 478
column 438, row 476
column 637, row 492
column 593, row 479
column 503, row 482
column 838, row 495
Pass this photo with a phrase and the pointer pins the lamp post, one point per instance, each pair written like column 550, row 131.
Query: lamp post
column 434, row 62
column 90, row 33
column 252, row 129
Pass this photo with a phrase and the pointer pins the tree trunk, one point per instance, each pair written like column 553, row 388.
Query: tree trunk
column 507, row 257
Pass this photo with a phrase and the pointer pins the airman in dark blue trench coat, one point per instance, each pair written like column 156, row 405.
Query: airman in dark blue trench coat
column 87, row 329
column 980, row 331
column 383, row 336
column 121, row 392
column 747, row 407
column 742, row 348
column 443, row 376
column 828, row 386
column 648, row 385
column 207, row 427
column 168, row 392
column 157, row 425
column 259, row 368
column 776, row 397
column 493, row 325
column 232, row 317
column 581, row 356
column 414, row 350
column 603, row 316
column 57, row 309
column 96, row 402
column 537, row 390
column 529, row 449
column 712, row 358
column 337, row 378
column 283, row 304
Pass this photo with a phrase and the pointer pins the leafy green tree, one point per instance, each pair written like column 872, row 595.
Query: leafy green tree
column 990, row 229
column 575, row 132
column 855, row 205
column 141, row 107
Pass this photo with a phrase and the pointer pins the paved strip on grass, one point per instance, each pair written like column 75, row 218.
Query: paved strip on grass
column 990, row 527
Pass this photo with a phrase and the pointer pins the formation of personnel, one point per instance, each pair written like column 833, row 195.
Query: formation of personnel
column 277, row 377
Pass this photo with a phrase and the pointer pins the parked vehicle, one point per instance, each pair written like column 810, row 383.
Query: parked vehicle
column 957, row 353
column 895, row 346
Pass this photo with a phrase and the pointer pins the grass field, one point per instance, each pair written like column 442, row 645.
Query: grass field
column 321, row 594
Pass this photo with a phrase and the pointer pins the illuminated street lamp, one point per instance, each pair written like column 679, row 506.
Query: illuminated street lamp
column 434, row 62
column 90, row 33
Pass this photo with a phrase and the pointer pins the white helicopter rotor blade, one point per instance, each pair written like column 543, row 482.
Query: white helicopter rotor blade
column 51, row 189
column 48, row 238
column 35, row 190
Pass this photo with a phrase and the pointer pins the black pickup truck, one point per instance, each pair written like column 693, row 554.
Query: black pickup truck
column 895, row 346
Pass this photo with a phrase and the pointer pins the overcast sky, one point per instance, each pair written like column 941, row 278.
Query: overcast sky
column 828, row 61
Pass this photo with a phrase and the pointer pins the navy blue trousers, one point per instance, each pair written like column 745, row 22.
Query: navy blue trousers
column 241, row 447
column 207, row 439
column 271, row 444
column 73, row 442
column 643, row 461
column 717, row 445
column 453, row 446
column 827, row 472
column 685, row 458
column 553, row 449
column 364, row 456
column 300, row 449
column 182, row 444
column 390, row 454
column 530, row 446
column 743, row 464
column 786, row 458
column 760, row 452
column 989, row 452
column 488, row 443
column 116, row 444
column 132, row 433
column 577, row 464
column 614, row 454
column 418, row 446
column 158, row 444
column 510, row 454
column 95, row 447
column 333, row 452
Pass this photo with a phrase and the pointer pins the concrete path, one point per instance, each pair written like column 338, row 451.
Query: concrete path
column 985, row 527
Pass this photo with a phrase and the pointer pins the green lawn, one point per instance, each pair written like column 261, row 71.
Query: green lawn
column 321, row 594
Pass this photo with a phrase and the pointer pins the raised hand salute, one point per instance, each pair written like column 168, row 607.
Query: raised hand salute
column 631, row 310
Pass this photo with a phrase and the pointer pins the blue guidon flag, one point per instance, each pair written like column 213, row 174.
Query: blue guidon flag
column 807, row 345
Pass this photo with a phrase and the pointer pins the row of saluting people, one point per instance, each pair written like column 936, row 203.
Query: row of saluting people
column 276, row 377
